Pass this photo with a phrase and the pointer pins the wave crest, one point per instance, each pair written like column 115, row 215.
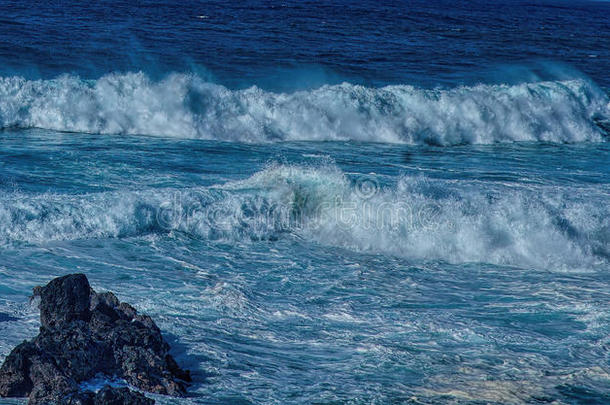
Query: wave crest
column 186, row 106
column 416, row 217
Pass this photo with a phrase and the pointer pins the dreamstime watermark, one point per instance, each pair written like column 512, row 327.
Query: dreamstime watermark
column 362, row 205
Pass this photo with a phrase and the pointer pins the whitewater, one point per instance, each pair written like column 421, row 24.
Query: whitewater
column 186, row 106
column 416, row 218
column 370, row 259
column 359, row 203
column 399, row 234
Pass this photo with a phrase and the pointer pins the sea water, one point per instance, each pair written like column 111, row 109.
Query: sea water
column 321, row 202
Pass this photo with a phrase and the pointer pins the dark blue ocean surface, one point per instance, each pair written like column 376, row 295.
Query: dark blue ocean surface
column 291, row 44
column 321, row 202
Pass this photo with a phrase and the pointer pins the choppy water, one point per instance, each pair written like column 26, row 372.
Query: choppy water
column 321, row 203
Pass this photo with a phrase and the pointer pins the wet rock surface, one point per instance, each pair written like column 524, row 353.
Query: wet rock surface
column 85, row 334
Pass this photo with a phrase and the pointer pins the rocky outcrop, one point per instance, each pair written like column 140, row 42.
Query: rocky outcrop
column 106, row 396
column 84, row 334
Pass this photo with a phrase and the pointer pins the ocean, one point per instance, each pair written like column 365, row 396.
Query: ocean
column 321, row 202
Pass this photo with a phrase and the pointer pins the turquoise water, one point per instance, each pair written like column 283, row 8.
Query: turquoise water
column 283, row 273
column 321, row 202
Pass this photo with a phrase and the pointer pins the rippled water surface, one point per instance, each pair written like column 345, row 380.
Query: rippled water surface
column 321, row 203
column 273, row 270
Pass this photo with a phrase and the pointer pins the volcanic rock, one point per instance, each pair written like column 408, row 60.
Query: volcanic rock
column 84, row 334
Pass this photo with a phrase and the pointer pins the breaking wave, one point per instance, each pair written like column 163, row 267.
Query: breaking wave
column 417, row 218
column 185, row 106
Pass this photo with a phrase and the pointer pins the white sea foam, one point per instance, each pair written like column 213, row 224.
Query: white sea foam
column 186, row 106
column 416, row 217
column 421, row 219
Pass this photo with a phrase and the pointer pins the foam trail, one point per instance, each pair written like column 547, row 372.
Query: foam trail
column 416, row 218
column 186, row 106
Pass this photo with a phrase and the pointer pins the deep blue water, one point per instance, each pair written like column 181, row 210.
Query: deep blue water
column 330, row 203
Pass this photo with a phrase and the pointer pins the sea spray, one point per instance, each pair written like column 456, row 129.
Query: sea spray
column 186, row 106
column 414, row 217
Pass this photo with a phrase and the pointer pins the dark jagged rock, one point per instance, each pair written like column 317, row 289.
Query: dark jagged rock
column 120, row 396
column 106, row 396
column 64, row 300
column 84, row 334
